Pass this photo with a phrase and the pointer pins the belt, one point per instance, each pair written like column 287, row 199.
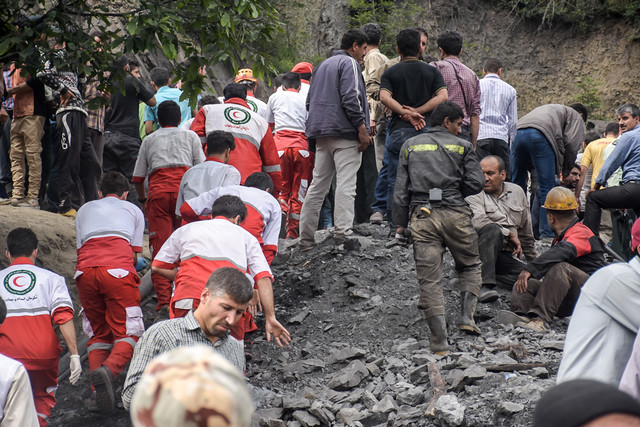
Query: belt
column 631, row 181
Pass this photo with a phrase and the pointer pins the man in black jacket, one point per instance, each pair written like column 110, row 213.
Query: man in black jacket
column 436, row 171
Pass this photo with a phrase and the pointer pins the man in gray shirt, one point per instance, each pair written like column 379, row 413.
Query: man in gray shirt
column 224, row 299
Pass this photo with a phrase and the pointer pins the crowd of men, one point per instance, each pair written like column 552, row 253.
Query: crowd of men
column 419, row 142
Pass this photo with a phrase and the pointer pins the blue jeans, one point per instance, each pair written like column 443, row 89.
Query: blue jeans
column 531, row 145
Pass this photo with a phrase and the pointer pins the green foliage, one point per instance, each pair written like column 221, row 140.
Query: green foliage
column 392, row 16
column 578, row 13
column 202, row 32
column 589, row 95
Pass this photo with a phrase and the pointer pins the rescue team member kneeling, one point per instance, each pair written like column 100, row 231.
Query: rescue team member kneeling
column 437, row 170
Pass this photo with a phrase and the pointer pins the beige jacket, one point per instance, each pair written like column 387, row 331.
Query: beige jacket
column 510, row 211
column 375, row 64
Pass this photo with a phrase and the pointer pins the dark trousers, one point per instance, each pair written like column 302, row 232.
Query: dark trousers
column 119, row 155
column 97, row 139
column 555, row 295
column 495, row 147
column 366, row 185
column 5, row 144
column 498, row 265
column 625, row 196
column 79, row 170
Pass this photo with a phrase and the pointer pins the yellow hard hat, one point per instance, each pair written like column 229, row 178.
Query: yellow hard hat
column 560, row 199
column 245, row 74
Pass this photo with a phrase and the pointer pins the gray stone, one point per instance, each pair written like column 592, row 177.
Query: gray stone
column 510, row 408
column 298, row 318
column 295, row 402
column 413, row 396
column 423, row 358
column 369, row 399
column 360, row 293
column 349, row 416
column 419, row 374
column 387, row 404
column 455, row 377
column 345, row 354
column 449, row 410
column 394, row 364
column 552, row 344
column 540, row 372
column 474, row 373
column 382, row 386
column 306, row 419
column 411, row 344
column 373, row 369
column 304, row 366
column 324, row 415
column 269, row 417
column 389, row 378
column 294, row 423
column 466, row 360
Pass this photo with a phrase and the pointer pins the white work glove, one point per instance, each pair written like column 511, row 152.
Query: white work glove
column 75, row 367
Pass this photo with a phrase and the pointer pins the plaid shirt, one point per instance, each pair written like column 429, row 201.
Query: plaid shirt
column 170, row 334
column 8, row 103
column 95, row 118
column 470, row 85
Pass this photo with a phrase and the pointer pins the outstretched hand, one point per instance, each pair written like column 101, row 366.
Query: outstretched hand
column 275, row 329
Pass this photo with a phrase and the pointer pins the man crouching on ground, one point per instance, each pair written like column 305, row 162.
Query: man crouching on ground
column 437, row 170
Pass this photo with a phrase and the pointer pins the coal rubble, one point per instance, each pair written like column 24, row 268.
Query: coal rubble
column 360, row 352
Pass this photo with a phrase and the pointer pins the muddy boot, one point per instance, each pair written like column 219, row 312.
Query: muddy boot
column 467, row 324
column 438, row 337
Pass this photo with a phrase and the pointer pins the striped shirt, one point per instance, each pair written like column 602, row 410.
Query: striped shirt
column 6, row 76
column 468, row 84
column 170, row 334
column 499, row 117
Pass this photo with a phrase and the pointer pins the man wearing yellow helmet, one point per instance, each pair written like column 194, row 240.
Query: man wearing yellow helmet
column 549, row 286
column 245, row 77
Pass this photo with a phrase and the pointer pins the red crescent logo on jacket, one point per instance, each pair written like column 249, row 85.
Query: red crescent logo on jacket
column 20, row 282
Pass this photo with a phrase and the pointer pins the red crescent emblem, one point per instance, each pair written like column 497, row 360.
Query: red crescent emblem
column 15, row 282
column 235, row 114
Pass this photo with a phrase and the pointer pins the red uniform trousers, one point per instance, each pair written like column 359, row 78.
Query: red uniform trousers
column 297, row 170
column 161, row 215
column 112, row 306
column 43, row 385
column 244, row 325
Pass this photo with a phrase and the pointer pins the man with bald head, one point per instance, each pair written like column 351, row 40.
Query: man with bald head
column 503, row 222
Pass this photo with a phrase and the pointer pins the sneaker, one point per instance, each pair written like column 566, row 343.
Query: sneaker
column 306, row 245
column 536, row 325
column 4, row 202
column 71, row 213
column 15, row 201
column 510, row 318
column 29, row 203
column 376, row 218
column 487, row 294
column 102, row 381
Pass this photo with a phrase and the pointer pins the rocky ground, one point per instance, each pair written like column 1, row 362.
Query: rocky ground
column 360, row 351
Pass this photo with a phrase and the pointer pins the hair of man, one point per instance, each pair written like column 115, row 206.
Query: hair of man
column 169, row 113
column 231, row 282
column 576, row 166
column 114, row 183
column 251, row 86
column 353, row 36
column 590, row 137
column 422, row 30
column 3, row 311
column 501, row 165
column 562, row 215
column 235, row 90
column 446, row 109
column 259, row 180
column 373, row 32
column 408, row 42
column 492, row 65
column 133, row 63
column 628, row 108
column 613, row 127
column 277, row 81
column 160, row 76
column 21, row 242
column 207, row 100
column 218, row 141
column 229, row 206
column 450, row 42
column 291, row 80
column 580, row 108
column 120, row 62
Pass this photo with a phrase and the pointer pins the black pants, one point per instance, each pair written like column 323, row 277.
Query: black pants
column 625, row 196
column 498, row 265
column 494, row 147
column 79, row 170
column 119, row 155
column 366, row 185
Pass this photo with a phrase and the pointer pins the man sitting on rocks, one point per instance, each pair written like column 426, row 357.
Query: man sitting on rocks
column 550, row 285
column 503, row 222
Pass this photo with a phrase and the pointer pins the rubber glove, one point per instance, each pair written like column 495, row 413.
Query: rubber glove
column 76, row 368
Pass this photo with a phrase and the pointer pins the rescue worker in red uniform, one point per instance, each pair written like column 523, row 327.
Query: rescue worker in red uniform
column 35, row 298
column 109, row 234
column 164, row 157
column 287, row 115
column 255, row 149
column 204, row 246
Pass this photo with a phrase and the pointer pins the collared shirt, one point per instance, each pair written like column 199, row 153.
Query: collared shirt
column 170, row 334
column 510, row 210
column 627, row 155
column 499, row 116
column 616, row 178
column 6, row 76
column 373, row 60
column 468, row 83
column 95, row 117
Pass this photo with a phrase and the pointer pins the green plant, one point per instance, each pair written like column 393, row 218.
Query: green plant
column 589, row 95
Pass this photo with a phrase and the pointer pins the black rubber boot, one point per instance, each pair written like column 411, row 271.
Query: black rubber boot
column 438, row 336
column 467, row 324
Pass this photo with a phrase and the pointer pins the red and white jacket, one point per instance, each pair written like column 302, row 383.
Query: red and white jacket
column 263, row 213
column 255, row 149
column 287, row 113
column 202, row 247
column 34, row 296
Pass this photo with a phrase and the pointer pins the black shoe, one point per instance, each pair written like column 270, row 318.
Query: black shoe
column 467, row 324
column 487, row 294
column 102, row 381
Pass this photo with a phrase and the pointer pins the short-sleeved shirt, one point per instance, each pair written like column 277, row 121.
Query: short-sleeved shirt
column 166, row 93
column 594, row 156
column 122, row 115
column 413, row 83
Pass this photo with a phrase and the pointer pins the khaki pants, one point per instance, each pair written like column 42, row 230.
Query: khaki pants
column 445, row 228
column 339, row 156
column 26, row 136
